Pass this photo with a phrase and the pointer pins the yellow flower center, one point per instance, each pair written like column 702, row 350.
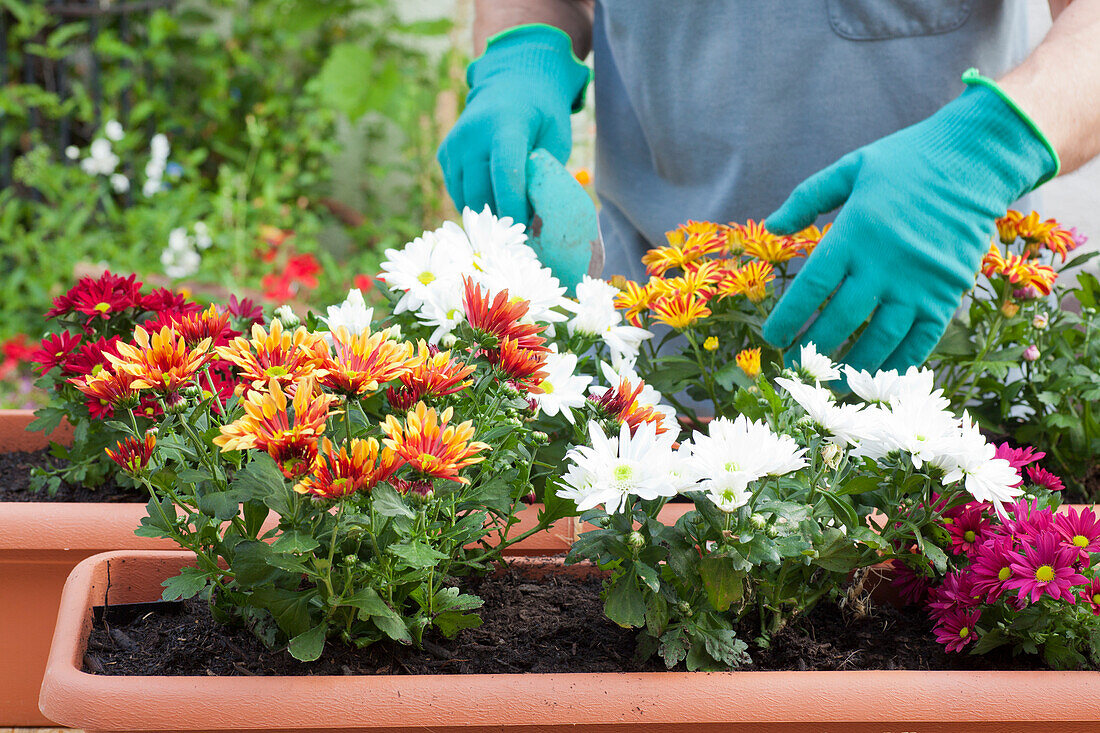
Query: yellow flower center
column 731, row 466
column 1044, row 574
column 1096, row 599
column 1080, row 540
column 97, row 369
column 102, row 307
column 964, row 632
column 546, row 387
column 276, row 371
column 969, row 535
column 1004, row 573
column 623, row 472
column 426, row 278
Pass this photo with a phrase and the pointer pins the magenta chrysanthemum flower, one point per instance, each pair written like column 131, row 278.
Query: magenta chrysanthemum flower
column 968, row 528
column 1018, row 457
column 911, row 586
column 955, row 629
column 1044, row 478
column 1028, row 519
column 1045, row 567
column 956, row 591
column 1091, row 594
column 991, row 566
column 1079, row 530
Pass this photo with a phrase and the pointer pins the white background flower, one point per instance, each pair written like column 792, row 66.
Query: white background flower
column 562, row 389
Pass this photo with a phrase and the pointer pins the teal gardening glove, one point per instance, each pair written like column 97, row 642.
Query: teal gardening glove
column 522, row 91
column 918, row 209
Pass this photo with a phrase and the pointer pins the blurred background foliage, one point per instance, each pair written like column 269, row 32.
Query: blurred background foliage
column 300, row 142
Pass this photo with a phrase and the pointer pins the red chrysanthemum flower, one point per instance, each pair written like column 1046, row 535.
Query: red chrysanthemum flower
column 339, row 474
column 55, row 350
column 912, row 587
column 501, row 317
column 1044, row 478
column 164, row 300
column 91, row 357
column 991, row 566
column 110, row 389
column 1028, row 520
column 621, row 404
column 522, row 366
column 1044, row 567
column 1079, row 530
column 132, row 455
column 431, row 445
column 245, row 312
column 968, row 528
column 101, row 297
column 956, row 628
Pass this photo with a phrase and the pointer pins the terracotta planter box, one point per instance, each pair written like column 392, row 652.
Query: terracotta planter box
column 41, row 542
column 760, row 702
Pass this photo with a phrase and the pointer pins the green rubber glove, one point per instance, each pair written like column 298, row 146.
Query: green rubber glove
column 522, row 91
column 918, row 209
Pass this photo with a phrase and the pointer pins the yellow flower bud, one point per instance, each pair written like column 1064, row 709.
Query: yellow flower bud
column 711, row 343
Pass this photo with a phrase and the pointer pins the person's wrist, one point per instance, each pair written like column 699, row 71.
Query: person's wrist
column 533, row 51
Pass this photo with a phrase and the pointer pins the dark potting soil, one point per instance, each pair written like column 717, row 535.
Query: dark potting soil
column 15, row 482
column 552, row 625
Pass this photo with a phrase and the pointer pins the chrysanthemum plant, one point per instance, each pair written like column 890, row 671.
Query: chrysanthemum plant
column 1022, row 355
column 90, row 324
column 713, row 286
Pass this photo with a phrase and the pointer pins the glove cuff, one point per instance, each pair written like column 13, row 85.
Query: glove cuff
column 534, row 49
column 1028, row 134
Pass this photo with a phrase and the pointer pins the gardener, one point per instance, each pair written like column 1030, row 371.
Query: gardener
column 714, row 110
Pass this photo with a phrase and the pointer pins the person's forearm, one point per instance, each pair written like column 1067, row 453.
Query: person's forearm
column 1059, row 84
column 572, row 16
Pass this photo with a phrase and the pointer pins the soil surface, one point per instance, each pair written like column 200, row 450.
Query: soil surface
column 552, row 625
column 15, row 482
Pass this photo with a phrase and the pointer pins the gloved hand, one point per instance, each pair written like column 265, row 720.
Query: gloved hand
column 918, row 209
column 522, row 92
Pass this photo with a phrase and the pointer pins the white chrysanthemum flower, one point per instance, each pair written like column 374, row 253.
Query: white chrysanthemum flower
column 734, row 454
column 523, row 277
column 353, row 314
column 921, row 426
column 885, row 385
column 119, row 183
column 442, row 309
column 72, row 152
column 113, row 130
column 487, row 233
column 595, row 315
column 818, row 366
column 969, row 457
column 414, row 268
column 844, row 423
column 562, row 389
column 613, row 469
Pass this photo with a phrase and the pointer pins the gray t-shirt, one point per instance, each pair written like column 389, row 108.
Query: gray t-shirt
column 715, row 109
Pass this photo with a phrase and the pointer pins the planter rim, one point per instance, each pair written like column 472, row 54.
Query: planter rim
column 75, row 698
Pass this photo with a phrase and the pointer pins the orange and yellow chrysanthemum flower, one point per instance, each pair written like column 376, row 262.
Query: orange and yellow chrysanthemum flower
column 500, row 316
column 756, row 241
column 621, row 404
column 365, row 361
column 194, row 327
column 680, row 310
column 132, row 455
column 433, row 447
column 1018, row 270
column 700, row 278
column 435, row 374
column 686, row 244
column 1007, row 231
column 339, row 474
column 808, row 239
column 266, row 425
column 634, row 299
column 521, row 365
column 109, row 387
column 751, row 280
column 161, row 361
column 280, row 355
column 749, row 361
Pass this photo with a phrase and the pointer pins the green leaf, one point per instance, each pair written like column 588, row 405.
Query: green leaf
column 394, row 627
column 46, row 420
column 369, row 603
column 989, row 641
column 252, row 566
column 859, row 484
column 416, row 554
column 937, row 557
column 261, row 479
column 451, row 599
column 289, row 608
column 724, row 586
column 836, row 553
column 307, row 646
column 222, row 505
column 346, row 82
column 188, row 584
column 295, row 542
column 451, row 622
column 387, row 502
column 724, row 647
column 624, row 603
column 648, row 575
column 674, row 647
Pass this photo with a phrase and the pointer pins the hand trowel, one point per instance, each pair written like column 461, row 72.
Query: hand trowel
column 564, row 230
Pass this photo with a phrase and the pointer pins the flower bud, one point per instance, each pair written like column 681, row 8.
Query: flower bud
column 804, row 422
column 1040, row 321
column 1031, row 353
column 393, row 333
column 772, row 532
column 1028, row 293
column 830, row 454
column 1010, row 309
column 635, row 540
column 757, row 521
column 529, row 498
column 711, row 344
column 447, row 341
column 287, row 317
column 684, row 608
column 540, row 437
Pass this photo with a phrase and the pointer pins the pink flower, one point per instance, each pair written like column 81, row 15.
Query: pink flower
column 1044, row 478
column 1031, row 353
column 956, row 591
column 1044, row 567
column 955, row 629
column 1018, row 457
column 968, row 528
column 1028, row 519
column 1091, row 595
column 991, row 566
column 1080, row 531
column 911, row 586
